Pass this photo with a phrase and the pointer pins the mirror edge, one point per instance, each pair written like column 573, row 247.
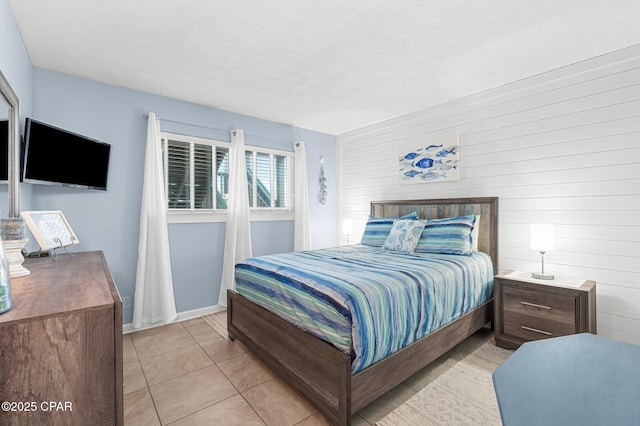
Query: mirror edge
column 14, row 144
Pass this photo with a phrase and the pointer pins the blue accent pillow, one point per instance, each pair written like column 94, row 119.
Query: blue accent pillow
column 404, row 235
column 448, row 236
column 377, row 229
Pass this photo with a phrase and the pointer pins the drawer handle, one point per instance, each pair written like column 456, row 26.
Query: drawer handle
column 535, row 330
column 535, row 306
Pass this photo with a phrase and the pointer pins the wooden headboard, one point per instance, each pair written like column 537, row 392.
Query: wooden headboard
column 486, row 207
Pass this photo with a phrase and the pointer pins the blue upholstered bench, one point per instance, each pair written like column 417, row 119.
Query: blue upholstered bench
column 581, row 379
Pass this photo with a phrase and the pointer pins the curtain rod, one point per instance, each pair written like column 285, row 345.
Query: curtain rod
column 146, row 117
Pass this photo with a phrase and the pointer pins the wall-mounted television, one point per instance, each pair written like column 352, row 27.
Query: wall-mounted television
column 4, row 154
column 56, row 156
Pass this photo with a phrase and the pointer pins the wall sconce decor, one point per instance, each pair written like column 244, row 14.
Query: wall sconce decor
column 322, row 180
column 542, row 240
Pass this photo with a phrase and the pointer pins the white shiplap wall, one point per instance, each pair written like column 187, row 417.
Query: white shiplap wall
column 561, row 147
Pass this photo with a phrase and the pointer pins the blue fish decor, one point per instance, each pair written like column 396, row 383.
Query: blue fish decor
column 430, row 163
column 424, row 163
column 411, row 155
column 446, row 152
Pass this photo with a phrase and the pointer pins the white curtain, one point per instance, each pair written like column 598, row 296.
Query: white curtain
column 302, row 236
column 237, row 244
column 154, row 300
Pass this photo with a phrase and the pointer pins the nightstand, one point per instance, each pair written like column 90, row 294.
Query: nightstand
column 530, row 309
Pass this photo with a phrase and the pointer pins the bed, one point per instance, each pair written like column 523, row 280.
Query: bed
column 334, row 379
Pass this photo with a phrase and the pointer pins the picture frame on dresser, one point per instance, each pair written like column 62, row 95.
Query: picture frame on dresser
column 529, row 309
column 50, row 229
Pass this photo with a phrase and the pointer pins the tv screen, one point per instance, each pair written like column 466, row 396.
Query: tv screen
column 4, row 146
column 57, row 156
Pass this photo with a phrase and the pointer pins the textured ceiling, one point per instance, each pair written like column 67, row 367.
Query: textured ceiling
column 327, row 65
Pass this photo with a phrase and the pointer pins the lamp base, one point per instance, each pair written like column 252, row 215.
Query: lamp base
column 541, row 276
column 13, row 250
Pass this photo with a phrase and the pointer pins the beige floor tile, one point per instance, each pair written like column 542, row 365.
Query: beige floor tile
column 185, row 395
column 160, row 340
column 231, row 412
column 128, row 351
column 278, row 404
column 314, row 420
column 219, row 322
column 482, row 363
column 224, row 350
column 356, row 420
column 429, row 373
column 188, row 389
column 386, row 403
column 156, row 330
column 493, row 353
column 173, row 364
column 245, row 371
column 472, row 343
column 202, row 331
column 139, row 409
column 319, row 420
column 133, row 378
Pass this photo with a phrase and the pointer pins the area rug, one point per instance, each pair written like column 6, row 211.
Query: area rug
column 462, row 395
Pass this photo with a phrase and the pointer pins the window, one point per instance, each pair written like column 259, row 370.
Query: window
column 197, row 176
column 268, row 179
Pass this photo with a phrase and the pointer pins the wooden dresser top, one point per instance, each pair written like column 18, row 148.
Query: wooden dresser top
column 71, row 283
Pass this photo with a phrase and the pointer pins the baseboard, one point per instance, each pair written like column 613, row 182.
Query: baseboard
column 182, row 316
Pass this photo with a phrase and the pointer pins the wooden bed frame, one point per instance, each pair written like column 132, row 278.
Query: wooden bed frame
column 322, row 373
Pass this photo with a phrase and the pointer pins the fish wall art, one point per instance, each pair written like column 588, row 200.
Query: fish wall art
column 438, row 162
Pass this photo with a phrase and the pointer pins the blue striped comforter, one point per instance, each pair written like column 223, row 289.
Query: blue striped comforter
column 366, row 301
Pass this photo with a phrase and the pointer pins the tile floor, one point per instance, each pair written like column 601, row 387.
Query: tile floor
column 189, row 373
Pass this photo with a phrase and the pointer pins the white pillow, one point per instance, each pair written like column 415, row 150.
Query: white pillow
column 474, row 234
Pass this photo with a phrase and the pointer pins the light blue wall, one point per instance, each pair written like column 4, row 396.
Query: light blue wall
column 14, row 59
column 109, row 220
column 16, row 67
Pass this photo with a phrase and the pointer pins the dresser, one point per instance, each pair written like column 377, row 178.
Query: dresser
column 529, row 309
column 61, row 344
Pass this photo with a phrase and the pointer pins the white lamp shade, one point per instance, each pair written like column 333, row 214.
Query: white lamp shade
column 347, row 226
column 542, row 236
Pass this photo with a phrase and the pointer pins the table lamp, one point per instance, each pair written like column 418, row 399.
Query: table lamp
column 542, row 240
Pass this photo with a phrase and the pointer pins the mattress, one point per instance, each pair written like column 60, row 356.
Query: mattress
column 366, row 301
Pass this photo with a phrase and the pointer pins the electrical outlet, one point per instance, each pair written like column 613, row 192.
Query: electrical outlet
column 126, row 302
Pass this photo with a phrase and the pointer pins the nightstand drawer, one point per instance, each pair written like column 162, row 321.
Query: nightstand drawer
column 551, row 307
column 529, row 309
column 530, row 327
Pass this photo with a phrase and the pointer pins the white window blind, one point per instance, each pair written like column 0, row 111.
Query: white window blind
column 178, row 176
column 269, row 176
column 197, row 175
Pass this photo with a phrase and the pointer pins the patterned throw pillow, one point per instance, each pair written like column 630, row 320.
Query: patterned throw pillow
column 377, row 229
column 449, row 236
column 404, row 235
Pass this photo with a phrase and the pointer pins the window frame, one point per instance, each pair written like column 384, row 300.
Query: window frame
column 196, row 215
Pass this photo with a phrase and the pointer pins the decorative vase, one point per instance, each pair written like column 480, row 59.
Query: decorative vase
column 13, row 233
column 5, row 283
